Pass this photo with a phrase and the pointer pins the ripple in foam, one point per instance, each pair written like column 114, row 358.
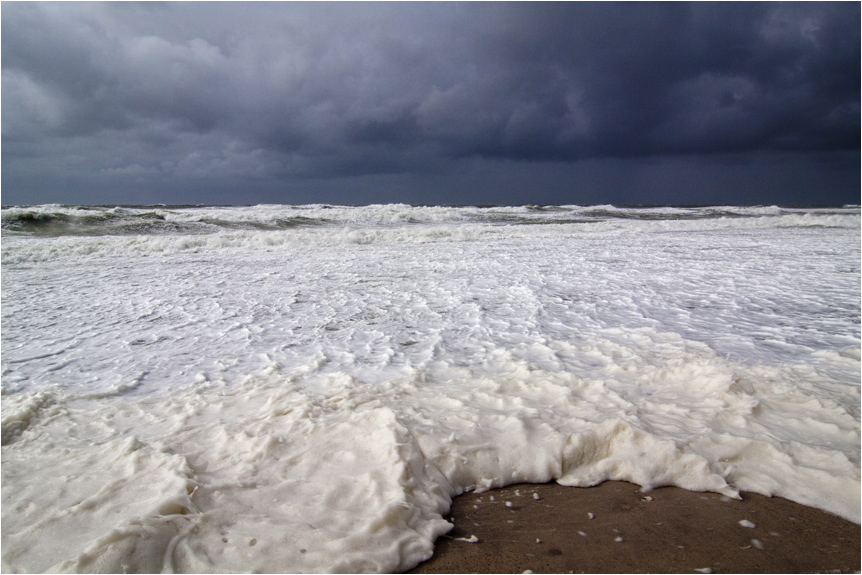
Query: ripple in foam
column 305, row 469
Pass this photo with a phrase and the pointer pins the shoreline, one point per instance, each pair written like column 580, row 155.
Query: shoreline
column 615, row 528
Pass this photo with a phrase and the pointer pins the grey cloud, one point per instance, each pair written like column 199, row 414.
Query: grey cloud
column 317, row 90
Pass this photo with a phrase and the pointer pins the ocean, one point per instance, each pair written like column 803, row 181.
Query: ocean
column 282, row 388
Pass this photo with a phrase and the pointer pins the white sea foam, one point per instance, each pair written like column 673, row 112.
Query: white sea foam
column 310, row 398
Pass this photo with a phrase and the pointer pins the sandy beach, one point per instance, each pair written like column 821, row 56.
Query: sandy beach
column 616, row 528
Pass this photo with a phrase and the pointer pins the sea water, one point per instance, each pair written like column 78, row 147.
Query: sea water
column 305, row 388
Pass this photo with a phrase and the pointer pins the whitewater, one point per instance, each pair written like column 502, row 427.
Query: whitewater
column 305, row 388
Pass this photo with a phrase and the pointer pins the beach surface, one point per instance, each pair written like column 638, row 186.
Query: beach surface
column 616, row 528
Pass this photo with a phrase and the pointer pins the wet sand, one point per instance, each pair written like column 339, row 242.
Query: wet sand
column 615, row 528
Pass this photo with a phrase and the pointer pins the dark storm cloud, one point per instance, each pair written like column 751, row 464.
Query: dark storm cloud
column 159, row 94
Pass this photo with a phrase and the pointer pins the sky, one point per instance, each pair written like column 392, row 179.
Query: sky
column 431, row 103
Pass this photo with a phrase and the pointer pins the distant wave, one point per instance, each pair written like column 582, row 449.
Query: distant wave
column 70, row 231
column 55, row 220
column 52, row 220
